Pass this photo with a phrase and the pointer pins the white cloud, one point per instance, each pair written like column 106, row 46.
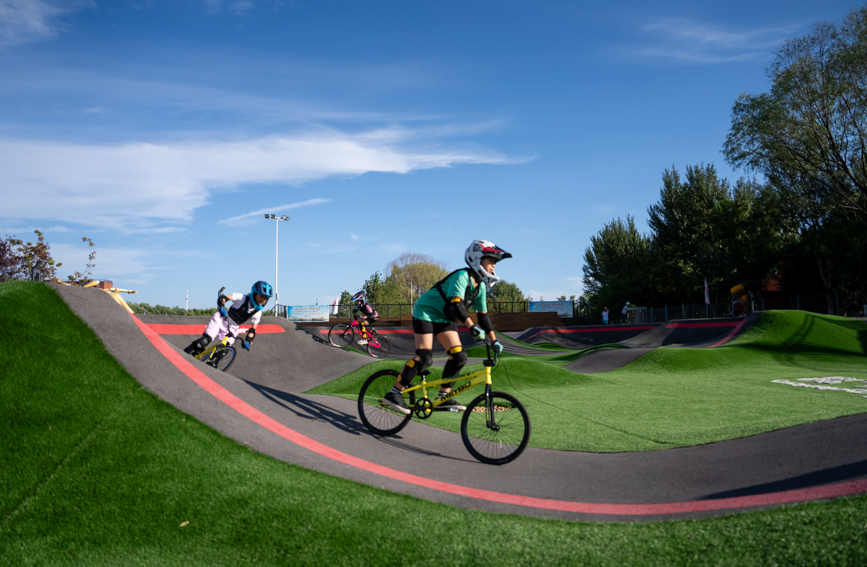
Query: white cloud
column 25, row 21
column 237, row 6
column 137, row 186
column 109, row 263
column 697, row 42
column 242, row 6
column 250, row 218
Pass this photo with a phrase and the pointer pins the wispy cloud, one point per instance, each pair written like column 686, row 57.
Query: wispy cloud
column 239, row 7
column 140, row 186
column 697, row 42
column 26, row 21
column 250, row 218
column 109, row 263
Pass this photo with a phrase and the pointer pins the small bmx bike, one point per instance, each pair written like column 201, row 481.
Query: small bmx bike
column 342, row 335
column 495, row 427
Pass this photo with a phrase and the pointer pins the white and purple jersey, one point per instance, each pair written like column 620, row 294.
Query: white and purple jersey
column 239, row 313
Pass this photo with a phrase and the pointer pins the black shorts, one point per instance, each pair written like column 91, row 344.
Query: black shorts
column 420, row 327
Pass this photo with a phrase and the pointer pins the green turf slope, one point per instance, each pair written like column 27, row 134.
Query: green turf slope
column 675, row 397
column 97, row 471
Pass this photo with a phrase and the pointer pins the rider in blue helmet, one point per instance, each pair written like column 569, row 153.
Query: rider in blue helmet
column 245, row 308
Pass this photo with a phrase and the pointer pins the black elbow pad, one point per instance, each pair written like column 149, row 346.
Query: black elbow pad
column 455, row 310
column 485, row 322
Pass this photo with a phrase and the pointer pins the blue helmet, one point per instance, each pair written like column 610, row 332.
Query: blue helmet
column 359, row 297
column 262, row 288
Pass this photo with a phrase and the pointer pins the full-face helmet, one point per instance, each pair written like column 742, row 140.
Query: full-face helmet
column 262, row 288
column 359, row 297
column 484, row 249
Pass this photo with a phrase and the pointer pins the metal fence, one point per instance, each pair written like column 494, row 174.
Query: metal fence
column 834, row 303
column 395, row 310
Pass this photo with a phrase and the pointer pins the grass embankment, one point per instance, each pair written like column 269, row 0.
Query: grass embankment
column 95, row 470
column 675, row 397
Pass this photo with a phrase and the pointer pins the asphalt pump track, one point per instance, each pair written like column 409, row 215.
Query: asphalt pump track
column 262, row 405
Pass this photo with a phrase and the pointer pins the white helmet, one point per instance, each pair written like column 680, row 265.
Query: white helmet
column 480, row 249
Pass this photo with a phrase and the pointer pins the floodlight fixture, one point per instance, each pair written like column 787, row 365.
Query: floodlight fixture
column 276, row 248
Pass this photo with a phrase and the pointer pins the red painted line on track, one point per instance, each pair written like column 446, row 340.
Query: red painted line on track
column 599, row 330
column 730, row 335
column 593, row 330
column 703, row 325
column 165, row 329
column 394, row 331
column 789, row 496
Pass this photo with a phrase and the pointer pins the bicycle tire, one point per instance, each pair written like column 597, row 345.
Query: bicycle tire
column 379, row 419
column 381, row 351
column 496, row 447
column 341, row 335
column 222, row 358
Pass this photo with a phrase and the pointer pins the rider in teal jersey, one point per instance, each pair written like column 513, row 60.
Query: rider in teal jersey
column 437, row 311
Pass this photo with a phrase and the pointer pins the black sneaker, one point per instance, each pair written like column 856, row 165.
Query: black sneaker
column 450, row 405
column 395, row 401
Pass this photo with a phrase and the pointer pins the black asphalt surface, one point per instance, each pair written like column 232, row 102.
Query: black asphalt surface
column 273, row 376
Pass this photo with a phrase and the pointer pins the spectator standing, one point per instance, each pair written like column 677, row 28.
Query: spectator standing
column 624, row 314
column 604, row 315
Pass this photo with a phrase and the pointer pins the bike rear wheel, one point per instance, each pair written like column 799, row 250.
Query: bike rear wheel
column 378, row 418
column 341, row 335
column 380, row 351
column 503, row 438
column 222, row 358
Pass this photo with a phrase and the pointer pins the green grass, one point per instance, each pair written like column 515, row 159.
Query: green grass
column 95, row 470
column 675, row 397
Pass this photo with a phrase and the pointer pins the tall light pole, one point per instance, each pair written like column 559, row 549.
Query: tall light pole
column 276, row 246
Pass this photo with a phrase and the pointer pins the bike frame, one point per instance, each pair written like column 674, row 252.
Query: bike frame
column 482, row 376
column 371, row 332
column 208, row 352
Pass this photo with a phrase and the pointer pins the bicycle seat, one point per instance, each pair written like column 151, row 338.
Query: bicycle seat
column 424, row 372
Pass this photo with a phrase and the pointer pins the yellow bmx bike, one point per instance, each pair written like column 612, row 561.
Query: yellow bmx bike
column 495, row 427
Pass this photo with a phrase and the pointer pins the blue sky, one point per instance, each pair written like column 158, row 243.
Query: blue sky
column 164, row 130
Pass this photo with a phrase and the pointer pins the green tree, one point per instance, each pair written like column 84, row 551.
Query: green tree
column 381, row 290
column 705, row 229
column 617, row 265
column 17, row 258
column 345, row 304
column 809, row 133
column 687, row 226
column 414, row 274
column 507, row 297
column 88, row 268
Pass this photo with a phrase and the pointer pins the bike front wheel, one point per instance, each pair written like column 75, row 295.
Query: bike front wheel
column 498, row 434
column 341, row 335
column 380, row 349
column 377, row 417
column 222, row 358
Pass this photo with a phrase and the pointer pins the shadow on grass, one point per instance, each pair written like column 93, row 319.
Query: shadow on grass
column 818, row 478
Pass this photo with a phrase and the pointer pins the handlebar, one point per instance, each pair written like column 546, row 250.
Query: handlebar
column 219, row 297
column 489, row 346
